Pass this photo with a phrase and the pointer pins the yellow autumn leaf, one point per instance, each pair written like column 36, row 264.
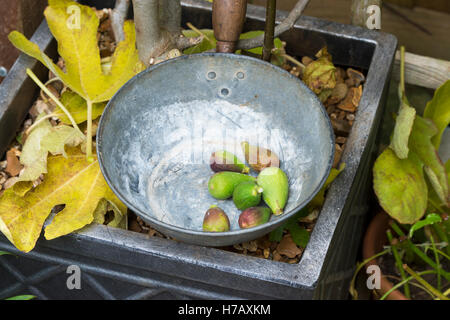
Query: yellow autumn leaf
column 77, row 45
column 73, row 181
column 320, row 75
column 45, row 138
column 77, row 108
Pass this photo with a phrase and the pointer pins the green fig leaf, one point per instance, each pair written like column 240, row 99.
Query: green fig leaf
column 298, row 236
column 430, row 219
column 277, row 234
column 438, row 110
column 421, row 144
column 403, row 127
column 400, row 186
column 298, row 233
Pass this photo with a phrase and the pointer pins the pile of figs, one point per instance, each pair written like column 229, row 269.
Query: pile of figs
column 231, row 180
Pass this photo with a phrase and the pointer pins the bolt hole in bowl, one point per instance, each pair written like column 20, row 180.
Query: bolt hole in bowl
column 157, row 134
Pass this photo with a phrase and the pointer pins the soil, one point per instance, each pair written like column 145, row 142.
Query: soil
column 341, row 106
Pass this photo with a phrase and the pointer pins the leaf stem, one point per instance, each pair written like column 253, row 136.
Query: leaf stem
column 436, row 256
column 352, row 289
column 422, row 281
column 200, row 33
column 38, row 122
column 398, row 285
column 402, row 70
column 398, row 262
column 89, row 131
column 293, row 60
column 419, row 252
column 58, row 103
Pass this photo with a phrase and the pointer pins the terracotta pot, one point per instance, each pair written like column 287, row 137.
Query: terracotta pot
column 374, row 240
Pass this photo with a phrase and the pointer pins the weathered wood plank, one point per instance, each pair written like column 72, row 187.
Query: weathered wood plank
column 423, row 71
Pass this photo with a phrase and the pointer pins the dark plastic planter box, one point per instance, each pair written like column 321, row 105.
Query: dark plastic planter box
column 121, row 264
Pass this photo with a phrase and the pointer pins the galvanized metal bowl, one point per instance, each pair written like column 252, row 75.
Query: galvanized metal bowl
column 157, row 133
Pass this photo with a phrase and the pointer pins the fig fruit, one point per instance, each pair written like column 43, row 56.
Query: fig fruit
column 216, row 220
column 259, row 158
column 246, row 195
column 226, row 161
column 221, row 185
column 276, row 188
column 253, row 217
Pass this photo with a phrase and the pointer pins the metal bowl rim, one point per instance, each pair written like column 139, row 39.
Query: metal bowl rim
column 188, row 232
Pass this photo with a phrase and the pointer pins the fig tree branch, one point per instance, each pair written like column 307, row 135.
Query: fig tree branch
column 118, row 16
column 284, row 26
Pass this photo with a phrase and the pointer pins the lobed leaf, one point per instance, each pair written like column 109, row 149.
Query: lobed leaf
column 78, row 47
column 73, row 181
column 320, row 74
column 45, row 138
column 77, row 107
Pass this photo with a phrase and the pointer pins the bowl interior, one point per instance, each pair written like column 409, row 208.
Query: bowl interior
column 157, row 134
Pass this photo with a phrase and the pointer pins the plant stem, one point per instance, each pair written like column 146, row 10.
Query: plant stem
column 58, row 103
column 422, row 281
column 399, row 263
column 352, row 289
column 89, row 131
column 293, row 60
column 118, row 16
column 442, row 253
column 284, row 26
column 398, row 285
column 436, row 256
column 38, row 122
column 148, row 31
column 447, row 292
column 417, row 285
column 402, row 70
column 269, row 31
column 419, row 252
column 200, row 33
column 442, row 236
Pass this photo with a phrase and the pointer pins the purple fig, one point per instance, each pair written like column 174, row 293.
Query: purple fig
column 259, row 158
column 216, row 220
column 254, row 216
column 226, row 161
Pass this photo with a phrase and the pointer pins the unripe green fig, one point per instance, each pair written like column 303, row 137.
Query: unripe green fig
column 253, row 217
column 216, row 220
column 221, row 185
column 259, row 158
column 247, row 194
column 226, row 161
column 276, row 188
